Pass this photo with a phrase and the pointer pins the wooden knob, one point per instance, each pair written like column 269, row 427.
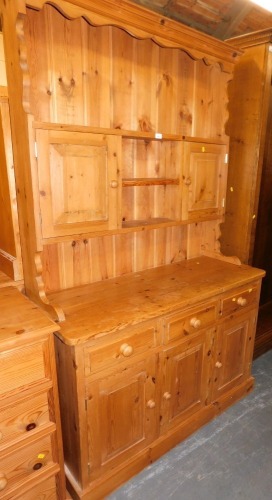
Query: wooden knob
column 167, row 396
column 3, row 481
column 218, row 364
column 114, row 184
column 37, row 466
column 188, row 181
column 195, row 323
column 30, row 426
column 151, row 404
column 241, row 301
column 126, row 350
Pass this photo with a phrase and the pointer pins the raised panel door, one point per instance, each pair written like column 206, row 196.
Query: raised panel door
column 78, row 177
column 122, row 414
column 186, row 378
column 234, row 347
column 204, row 180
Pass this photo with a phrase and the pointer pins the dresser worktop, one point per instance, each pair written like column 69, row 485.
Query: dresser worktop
column 104, row 307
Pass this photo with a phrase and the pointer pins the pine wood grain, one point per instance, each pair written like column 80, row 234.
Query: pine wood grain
column 130, row 299
column 29, row 412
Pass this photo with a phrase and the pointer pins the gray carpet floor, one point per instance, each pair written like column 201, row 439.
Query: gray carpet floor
column 228, row 459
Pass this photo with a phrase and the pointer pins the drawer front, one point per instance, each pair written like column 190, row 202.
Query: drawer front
column 26, row 462
column 46, row 490
column 239, row 299
column 21, row 367
column 99, row 357
column 180, row 325
column 23, row 419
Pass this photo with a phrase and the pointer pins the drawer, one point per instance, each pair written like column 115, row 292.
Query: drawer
column 27, row 462
column 181, row 324
column 99, row 357
column 239, row 299
column 21, row 367
column 46, row 490
column 23, row 419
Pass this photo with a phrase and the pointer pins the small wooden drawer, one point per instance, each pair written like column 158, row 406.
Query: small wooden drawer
column 180, row 325
column 21, row 367
column 46, row 490
column 239, row 299
column 99, row 357
column 17, row 467
column 23, row 419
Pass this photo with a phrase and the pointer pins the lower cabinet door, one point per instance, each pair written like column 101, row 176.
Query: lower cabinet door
column 122, row 414
column 233, row 352
column 186, row 378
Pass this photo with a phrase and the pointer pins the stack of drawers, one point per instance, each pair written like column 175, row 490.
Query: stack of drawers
column 31, row 461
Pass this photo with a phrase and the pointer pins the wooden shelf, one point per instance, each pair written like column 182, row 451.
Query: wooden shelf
column 156, row 221
column 128, row 226
column 126, row 134
column 149, row 182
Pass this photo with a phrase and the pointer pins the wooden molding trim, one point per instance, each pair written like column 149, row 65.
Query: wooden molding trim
column 251, row 39
column 143, row 23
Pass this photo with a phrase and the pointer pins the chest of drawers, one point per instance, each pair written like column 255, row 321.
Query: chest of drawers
column 31, row 462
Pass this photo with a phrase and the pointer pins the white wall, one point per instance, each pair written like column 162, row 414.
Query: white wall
column 3, row 78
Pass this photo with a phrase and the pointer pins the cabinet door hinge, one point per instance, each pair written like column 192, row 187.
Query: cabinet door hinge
column 86, row 404
column 223, row 202
column 35, row 150
column 226, row 158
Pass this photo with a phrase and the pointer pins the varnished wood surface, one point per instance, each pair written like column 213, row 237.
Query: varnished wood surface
column 144, row 23
column 98, row 78
column 30, row 437
column 248, row 125
column 87, row 64
column 101, row 308
column 10, row 249
column 5, row 280
column 21, row 318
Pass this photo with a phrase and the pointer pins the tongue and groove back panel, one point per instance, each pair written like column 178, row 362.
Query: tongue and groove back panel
column 104, row 77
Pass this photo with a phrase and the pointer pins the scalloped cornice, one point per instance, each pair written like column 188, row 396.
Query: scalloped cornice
column 143, row 23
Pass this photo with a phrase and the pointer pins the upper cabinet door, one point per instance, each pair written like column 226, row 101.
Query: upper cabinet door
column 204, row 180
column 78, row 178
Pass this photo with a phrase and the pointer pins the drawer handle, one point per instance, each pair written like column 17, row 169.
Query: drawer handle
column 3, row 481
column 188, row 181
column 167, row 396
column 218, row 364
column 37, row 466
column 151, row 404
column 30, row 426
column 195, row 323
column 241, row 301
column 126, row 350
column 114, row 184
